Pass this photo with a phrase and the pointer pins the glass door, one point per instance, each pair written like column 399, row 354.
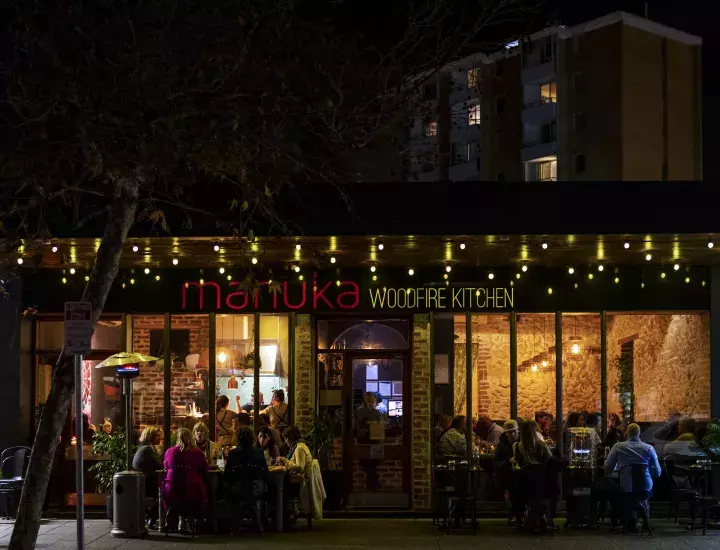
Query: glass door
column 377, row 435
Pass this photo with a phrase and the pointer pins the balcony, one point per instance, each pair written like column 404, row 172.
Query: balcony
column 537, row 113
column 535, row 150
column 538, row 73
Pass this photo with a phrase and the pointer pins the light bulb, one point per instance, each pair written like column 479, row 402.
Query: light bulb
column 571, row 270
column 229, row 278
column 687, row 279
column 448, row 268
column 591, row 276
column 662, row 275
column 373, row 268
column 157, row 277
column 300, row 277
column 222, row 357
column 710, row 244
column 601, row 267
column 337, row 282
column 87, row 278
column 544, row 363
column 333, row 260
column 135, row 248
column 676, row 267
column 445, row 276
column 147, row 270
column 462, row 246
column 297, row 269
column 254, row 261
column 298, row 247
column 642, row 285
column 216, row 248
column 491, row 275
column 534, row 367
column 411, row 272
column 517, row 275
column 550, row 290
column 648, row 256
column 617, row 280
column 175, row 261
column 374, row 277
column 20, row 261
column 524, row 268
column 124, row 285
column 64, row 280
column 575, row 285
column 72, row 271
column 626, row 245
column 202, row 281
column 54, row 249
column 381, row 246
column 221, row 270
column 544, row 245
column 575, row 349
column 132, row 281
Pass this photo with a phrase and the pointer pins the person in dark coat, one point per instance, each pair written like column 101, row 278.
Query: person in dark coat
column 147, row 461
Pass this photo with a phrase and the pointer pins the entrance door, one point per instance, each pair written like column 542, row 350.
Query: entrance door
column 377, row 432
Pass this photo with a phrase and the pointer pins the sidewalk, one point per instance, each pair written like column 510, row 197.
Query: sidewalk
column 371, row 533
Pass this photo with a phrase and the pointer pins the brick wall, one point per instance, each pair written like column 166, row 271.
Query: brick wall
column 304, row 373
column 421, row 413
column 390, row 473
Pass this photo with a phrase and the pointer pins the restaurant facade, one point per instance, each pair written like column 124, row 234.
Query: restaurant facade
column 477, row 324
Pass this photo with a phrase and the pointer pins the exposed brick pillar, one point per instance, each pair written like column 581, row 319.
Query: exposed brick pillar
column 304, row 373
column 421, row 413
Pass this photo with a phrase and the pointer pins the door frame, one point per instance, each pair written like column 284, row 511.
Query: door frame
column 348, row 356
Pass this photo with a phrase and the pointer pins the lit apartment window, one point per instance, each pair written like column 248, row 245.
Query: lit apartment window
column 474, row 114
column 431, row 128
column 547, row 171
column 473, row 78
column 548, row 93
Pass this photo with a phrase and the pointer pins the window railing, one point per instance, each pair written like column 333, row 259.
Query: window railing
column 539, row 102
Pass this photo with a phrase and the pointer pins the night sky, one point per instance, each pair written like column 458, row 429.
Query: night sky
column 692, row 16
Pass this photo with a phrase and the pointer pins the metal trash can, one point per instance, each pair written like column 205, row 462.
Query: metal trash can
column 129, row 505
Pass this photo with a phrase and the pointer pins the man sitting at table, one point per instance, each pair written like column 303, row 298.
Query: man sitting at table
column 685, row 448
column 626, row 454
column 453, row 443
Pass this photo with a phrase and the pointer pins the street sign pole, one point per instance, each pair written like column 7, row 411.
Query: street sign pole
column 78, row 333
column 79, row 481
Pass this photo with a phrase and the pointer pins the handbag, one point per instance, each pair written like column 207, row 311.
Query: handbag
column 377, row 430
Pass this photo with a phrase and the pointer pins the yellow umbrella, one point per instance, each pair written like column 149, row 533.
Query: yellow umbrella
column 124, row 358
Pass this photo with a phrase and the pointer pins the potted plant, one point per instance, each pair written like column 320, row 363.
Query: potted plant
column 321, row 437
column 112, row 448
column 711, row 441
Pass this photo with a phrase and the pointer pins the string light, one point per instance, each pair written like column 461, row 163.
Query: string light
column 491, row 275
column 687, row 279
column 703, row 283
column 337, row 282
column 648, row 256
column 373, row 269
column 221, row 270
column 147, row 271
column 380, row 246
column 132, row 281
column 253, row 260
column 216, row 248
column 550, row 291
column 175, row 261
column 135, row 248
column 448, row 268
column 617, row 280
column 524, row 268
column 72, row 271
column 676, row 267
column 662, row 275
column 591, row 276
column 544, row 246
column 229, row 277
column 20, row 261
column 710, row 243
column 124, row 285
column 446, row 276
column 300, row 277
column 601, row 267
column 462, row 246
column 576, row 285
column 333, row 260
column 87, row 278
column 157, row 277
column 374, row 277
column 297, row 269
column 298, row 247
column 54, row 249
column 411, row 272
column 517, row 275
column 642, row 284
column 202, row 281
column 64, row 280
column 627, row 245
column 571, row 270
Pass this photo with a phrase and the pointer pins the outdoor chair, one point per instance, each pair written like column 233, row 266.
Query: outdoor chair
column 181, row 506
column 460, row 495
column 637, row 499
column 246, row 490
column 679, row 493
column 14, row 461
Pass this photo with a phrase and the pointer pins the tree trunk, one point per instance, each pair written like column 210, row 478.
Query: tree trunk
column 121, row 216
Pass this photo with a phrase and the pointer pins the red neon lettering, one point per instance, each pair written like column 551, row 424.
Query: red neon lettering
column 202, row 293
column 354, row 293
column 320, row 295
column 285, row 296
column 236, row 293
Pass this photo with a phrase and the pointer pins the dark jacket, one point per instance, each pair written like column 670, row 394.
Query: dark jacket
column 246, row 456
column 148, row 462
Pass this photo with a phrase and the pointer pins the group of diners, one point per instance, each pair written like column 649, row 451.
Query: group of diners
column 192, row 457
column 521, row 452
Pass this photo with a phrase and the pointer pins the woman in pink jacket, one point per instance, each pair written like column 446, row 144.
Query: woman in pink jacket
column 185, row 467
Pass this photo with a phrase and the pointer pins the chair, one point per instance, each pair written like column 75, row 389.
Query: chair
column 532, row 490
column 460, row 487
column 440, row 492
column 180, row 506
column 14, row 461
column 246, row 489
column 637, row 498
column 678, row 494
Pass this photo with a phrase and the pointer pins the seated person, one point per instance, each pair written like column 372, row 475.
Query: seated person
column 184, row 482
column 453, row 443
column 488, row 432
column 246, row 454
column 625, row 454
column 147, row 461
column 544, row 421
column 266, row 443
column 209, row 448
column 503, row 458
column 615, row 432
column 298, row 461
column 276, row 437
column 530, row 449
column 685, row 448
column 278, row 411
column 250, row 405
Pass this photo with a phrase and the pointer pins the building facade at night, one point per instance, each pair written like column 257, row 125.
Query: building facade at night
column 615, row 98
column 544, row 313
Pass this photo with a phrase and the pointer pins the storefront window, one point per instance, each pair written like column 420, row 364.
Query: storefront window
column 148, row 333
column 190, row 359
column 536, row 368
column 491, row 367
column 275, row 368
column 581, row 369
column 459, row 371
column 658, row 367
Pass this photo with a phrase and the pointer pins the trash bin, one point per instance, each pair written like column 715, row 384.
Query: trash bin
column 129, row 505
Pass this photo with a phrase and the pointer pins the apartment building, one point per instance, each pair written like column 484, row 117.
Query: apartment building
column 615, row 98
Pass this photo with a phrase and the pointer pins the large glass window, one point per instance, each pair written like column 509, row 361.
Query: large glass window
column 658, row 368
column 148, row 338
column 275, row 367
column 581, row 367
column 491, row 367
column 536, row 367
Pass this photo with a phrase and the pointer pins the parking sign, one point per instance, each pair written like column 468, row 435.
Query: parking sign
column 78, row 328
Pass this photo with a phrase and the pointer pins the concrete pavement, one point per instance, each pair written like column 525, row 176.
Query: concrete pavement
column 378, row 533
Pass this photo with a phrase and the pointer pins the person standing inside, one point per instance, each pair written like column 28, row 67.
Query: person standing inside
column 225, row 420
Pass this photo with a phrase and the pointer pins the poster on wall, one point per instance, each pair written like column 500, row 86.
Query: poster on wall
column 442, row 368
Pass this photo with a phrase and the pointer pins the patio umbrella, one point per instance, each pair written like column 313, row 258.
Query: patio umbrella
column 124, row 358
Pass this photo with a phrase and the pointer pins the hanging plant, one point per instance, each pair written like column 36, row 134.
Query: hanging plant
column 624, row 387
